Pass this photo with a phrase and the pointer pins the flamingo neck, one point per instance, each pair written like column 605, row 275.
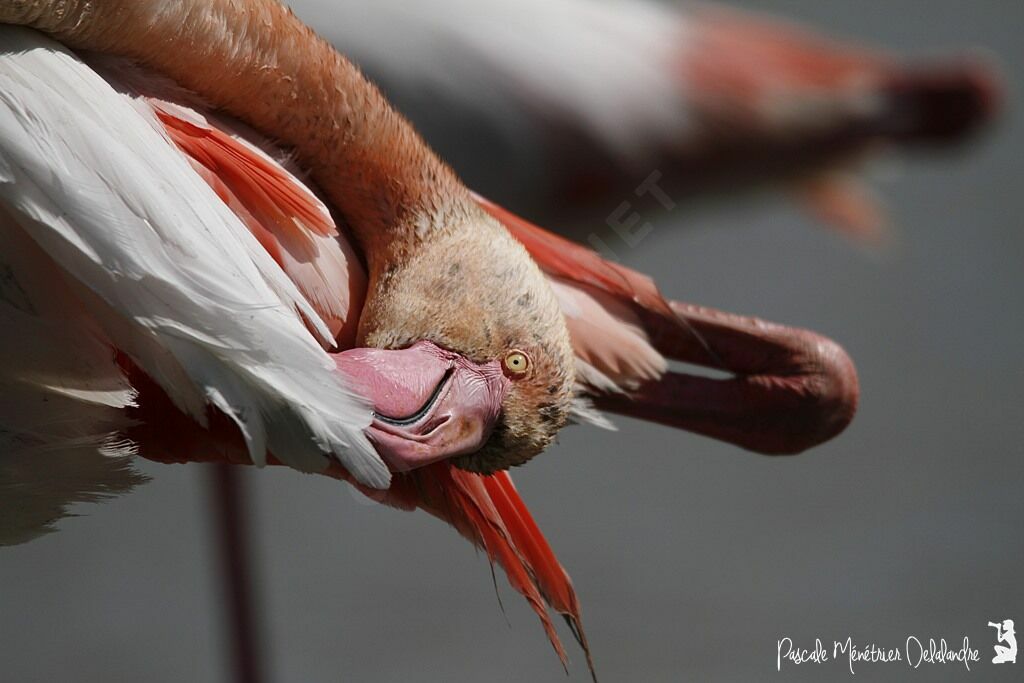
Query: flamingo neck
column 258, row 62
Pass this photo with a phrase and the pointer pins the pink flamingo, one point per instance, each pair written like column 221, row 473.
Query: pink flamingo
column 584, row 99
column 175, row 281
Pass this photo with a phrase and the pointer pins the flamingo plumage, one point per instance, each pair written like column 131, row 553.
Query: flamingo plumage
column 211, row 309
column 601, row 93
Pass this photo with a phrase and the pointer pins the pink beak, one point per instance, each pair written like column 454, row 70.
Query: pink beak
column 428, row 403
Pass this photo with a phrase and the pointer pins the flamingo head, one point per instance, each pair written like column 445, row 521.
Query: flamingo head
column 463, row 352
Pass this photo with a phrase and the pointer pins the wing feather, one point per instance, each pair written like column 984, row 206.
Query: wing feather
column 289, row 221
column 183, row 286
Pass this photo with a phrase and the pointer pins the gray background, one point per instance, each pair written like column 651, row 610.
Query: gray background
column 691, row 558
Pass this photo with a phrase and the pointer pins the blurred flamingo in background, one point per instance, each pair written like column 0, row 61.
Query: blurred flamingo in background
column 179, row 284
column 585, row 99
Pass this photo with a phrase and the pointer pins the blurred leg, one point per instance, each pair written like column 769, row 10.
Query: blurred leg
column 228, row 509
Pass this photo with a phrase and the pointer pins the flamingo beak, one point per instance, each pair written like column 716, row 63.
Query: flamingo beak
column 429, row 403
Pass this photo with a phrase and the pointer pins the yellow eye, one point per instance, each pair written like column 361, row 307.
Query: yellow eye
column 516, row 363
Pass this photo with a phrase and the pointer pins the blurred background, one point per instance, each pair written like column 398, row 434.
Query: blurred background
column 691, row 558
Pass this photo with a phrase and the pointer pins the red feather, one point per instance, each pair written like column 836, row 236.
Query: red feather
column 488, row 511
column 258, row 182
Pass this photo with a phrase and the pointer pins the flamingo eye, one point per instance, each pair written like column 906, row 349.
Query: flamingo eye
column 516, row 363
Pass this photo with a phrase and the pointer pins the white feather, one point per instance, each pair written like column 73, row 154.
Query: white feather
column 172, row 276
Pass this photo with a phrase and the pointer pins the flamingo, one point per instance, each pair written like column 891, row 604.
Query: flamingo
column 181, row 292
column 602, row 93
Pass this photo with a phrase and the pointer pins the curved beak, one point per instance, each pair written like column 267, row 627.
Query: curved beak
column 429, row 403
